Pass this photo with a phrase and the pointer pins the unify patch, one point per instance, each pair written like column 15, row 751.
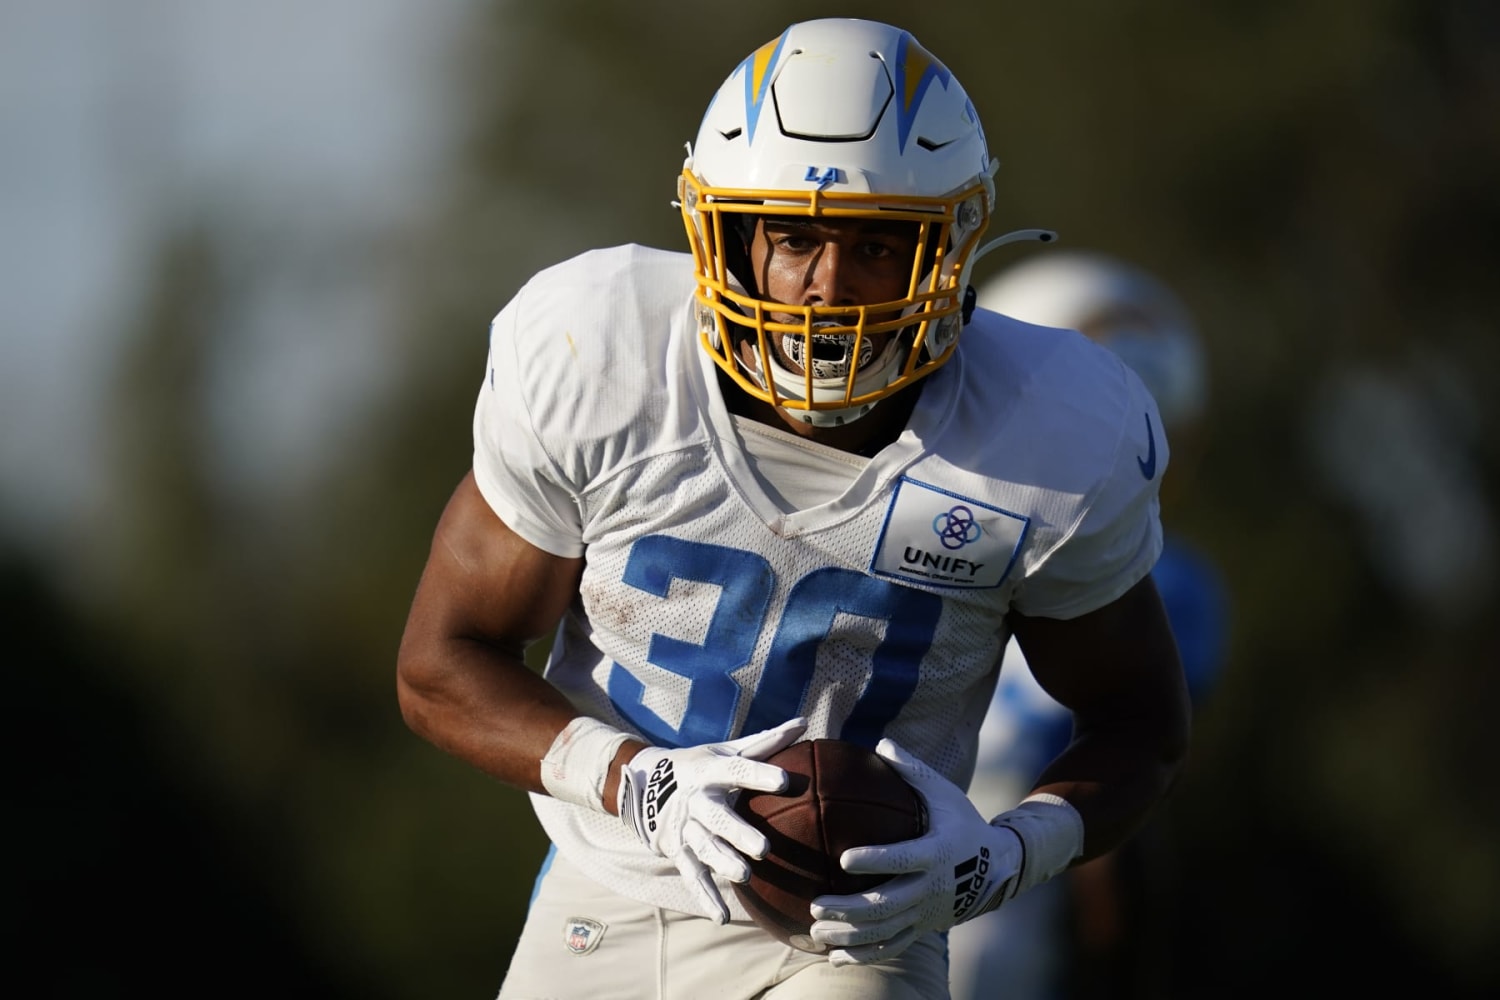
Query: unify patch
column 939, row 538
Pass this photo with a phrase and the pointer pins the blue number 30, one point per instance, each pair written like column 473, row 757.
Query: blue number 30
column 745, row 580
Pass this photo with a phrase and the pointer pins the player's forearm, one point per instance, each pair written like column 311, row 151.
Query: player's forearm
column 1115, row 776
column 483, row 705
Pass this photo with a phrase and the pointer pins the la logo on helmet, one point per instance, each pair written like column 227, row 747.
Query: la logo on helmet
column 823, row 176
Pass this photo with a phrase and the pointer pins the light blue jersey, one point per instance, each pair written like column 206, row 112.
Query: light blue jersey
column 1026, row 478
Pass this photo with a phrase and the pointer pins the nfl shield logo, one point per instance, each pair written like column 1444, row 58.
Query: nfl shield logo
column 582, row 935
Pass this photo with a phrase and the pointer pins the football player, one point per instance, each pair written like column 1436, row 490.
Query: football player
column 1104, row 929
column 790, row 485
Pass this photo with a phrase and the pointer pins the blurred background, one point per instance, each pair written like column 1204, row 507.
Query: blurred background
column 250, row 253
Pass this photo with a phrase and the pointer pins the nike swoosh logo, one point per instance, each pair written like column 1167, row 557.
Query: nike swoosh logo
column 1148, row 464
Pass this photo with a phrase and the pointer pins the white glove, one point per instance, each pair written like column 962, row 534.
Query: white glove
column 960, row 868
column 680, row 803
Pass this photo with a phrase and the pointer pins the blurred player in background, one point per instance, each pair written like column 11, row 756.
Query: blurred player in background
column 792, row 485
column 1103, row 929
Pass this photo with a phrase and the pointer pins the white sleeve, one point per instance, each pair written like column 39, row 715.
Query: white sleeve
column 1117, row 537
column 514, row 472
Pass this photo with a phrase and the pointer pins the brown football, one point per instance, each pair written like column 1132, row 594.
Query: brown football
column 839, row 795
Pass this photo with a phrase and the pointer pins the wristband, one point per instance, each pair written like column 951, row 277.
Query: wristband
column 1051, row 835
column 578, row 761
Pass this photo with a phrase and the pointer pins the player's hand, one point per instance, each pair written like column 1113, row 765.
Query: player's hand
column 680, row 803
column 960, row 868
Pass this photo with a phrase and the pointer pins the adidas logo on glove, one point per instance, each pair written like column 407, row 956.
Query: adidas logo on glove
column 659, row 788
column 972, row 876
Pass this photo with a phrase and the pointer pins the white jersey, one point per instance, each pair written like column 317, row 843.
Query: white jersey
column 1026, row 478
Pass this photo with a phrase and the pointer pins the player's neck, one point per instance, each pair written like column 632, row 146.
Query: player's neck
column 865, row 436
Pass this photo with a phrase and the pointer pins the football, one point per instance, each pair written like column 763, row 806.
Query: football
column 839, row 795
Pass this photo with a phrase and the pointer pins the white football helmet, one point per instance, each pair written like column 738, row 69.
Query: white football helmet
column 835, row 119
column 1119, row 305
